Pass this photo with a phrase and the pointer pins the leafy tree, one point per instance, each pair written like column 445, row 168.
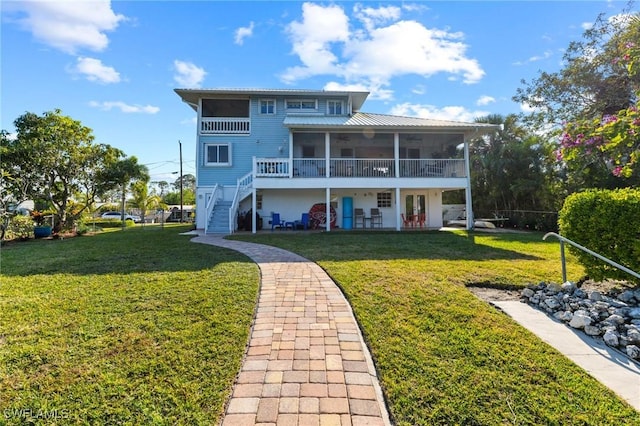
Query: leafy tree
column 583, row 96
column 161, row 185
column 53, row 158
column 188, row 182
column 188, row 197
column 614, row 138
column 591, row 84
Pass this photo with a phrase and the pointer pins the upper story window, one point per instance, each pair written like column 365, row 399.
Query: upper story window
column 217, row 154
column 302, row 104
column 225, row 108
column 267, row 106
column 335, row 107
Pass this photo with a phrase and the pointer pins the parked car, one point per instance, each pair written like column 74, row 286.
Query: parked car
column 118, row 216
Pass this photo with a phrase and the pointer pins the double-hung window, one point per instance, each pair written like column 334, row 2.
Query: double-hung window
column 217, row 154
column 267, row 106
column 334, row 107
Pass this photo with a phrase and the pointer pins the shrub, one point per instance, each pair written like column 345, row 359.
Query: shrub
column 608, row 223
column 20, row 227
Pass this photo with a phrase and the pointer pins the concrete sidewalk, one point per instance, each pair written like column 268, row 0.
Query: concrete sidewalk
column 608, row 366
column 306, row 363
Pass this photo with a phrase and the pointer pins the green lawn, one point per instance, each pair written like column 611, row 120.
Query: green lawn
column 128, row 327
column 140, row 326
column 445, row 357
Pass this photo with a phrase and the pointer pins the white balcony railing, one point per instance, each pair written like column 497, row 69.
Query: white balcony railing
column 271, row 167
column 359, row 167
column 228, row 126
column 432, row 167
column 370, row 167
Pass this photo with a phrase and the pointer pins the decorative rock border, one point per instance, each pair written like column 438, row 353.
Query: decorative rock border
column 613, row 316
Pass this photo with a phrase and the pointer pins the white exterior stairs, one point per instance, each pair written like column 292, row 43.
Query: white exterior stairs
column 218, row 222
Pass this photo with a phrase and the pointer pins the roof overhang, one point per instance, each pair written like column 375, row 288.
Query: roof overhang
column 192, row 96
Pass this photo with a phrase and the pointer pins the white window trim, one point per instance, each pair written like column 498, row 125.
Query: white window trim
column 206, row 155
column 337, row 101
column 267, row 100
column 301, row 101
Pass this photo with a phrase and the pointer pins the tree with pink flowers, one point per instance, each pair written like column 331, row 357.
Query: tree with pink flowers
column 615, row 138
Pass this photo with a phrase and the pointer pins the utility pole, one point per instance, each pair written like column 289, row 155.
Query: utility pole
column 181, row 183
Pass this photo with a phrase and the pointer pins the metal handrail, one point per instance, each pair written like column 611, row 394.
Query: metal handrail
column 241, row 185
column 211, row 204
column 586, row 250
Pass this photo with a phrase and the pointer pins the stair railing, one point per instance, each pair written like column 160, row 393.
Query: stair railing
column 241, row 186
column 586, row 250
column 216, row 194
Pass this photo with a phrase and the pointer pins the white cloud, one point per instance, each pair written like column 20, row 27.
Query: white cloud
column 243, row 32
column 372, row 17
column 68, row 25
column 94, row 70
column 485, row 100
column 419, row 90
column 546, row 55
column 452, row 113
column 383, row 48
column 376, row 92
column 124, row 107
column 187, row 74
column 586, row 25
column 312, row 39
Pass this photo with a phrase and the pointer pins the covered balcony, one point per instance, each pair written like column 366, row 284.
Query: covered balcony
column 340, row 155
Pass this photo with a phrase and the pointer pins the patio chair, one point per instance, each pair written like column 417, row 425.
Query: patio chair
column 376, row 218
column 358, row 217
column 276, row 222
column 422, row 218
column 406, row 221
column 303, row 222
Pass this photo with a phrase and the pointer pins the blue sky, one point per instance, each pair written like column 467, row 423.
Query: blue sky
column 114, row 65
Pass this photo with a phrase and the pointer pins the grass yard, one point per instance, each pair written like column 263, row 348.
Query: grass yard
column 444, row 357
column 135, row 326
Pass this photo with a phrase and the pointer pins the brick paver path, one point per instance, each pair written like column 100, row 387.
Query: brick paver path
column 306, row 363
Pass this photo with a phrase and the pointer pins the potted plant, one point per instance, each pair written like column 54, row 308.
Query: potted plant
column 40, row 229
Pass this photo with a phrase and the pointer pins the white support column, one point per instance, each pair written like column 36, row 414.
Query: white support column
column 328, row 208
column 398, row 210
column 467, row 190
column 290, row 154
column 327, row 154
column 254, row 213
column 396, row 153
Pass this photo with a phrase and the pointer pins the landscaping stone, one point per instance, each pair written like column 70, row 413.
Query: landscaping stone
column 613, row 316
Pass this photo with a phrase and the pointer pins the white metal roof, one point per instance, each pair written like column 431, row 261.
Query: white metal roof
column 367, row 120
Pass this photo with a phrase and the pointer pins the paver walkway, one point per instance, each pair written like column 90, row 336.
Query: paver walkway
column 307, row 363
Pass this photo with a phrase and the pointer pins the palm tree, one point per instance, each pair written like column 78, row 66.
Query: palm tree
column 144, row 201
column 125, row 171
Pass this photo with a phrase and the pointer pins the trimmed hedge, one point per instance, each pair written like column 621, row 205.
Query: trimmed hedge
column 608, row 223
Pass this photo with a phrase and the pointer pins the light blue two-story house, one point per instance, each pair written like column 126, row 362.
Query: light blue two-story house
column 281, row 158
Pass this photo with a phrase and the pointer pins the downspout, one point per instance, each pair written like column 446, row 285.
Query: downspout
column 468, row 200
column 396, row 162
column 254, row 213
